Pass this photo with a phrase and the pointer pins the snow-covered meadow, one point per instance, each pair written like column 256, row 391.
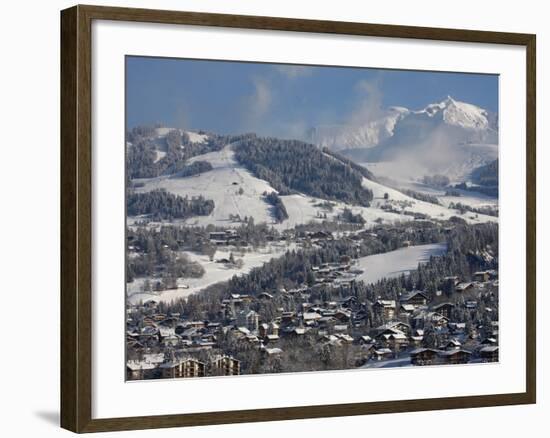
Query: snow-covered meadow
column 395, row 263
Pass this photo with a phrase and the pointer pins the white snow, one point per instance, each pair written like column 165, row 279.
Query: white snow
column 458, row 113
column 399, row 200
column 222, row 185
column 394, row 263
column 194, row 137
column 214, row 272
column 197, row 138
column 160, row 155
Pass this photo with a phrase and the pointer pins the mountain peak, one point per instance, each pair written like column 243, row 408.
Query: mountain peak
column 456, row 113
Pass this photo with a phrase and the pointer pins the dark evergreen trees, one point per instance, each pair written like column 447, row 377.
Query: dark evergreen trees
column 161, row 204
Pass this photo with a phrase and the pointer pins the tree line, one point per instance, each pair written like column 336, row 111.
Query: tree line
column 160, row 204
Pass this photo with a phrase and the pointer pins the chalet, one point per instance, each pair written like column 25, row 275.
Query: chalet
column 453, row 344
column 424, row 356
column 363, row 340
column 342, row 315
column 489, row 353
column 223, row 237
column 455, row 356
column 481, row 276
column 182, row 368
column 252, row 339
column 345, row 338
column 384, row 308
column 382, row 354
column 463, row 287
column 197, row 324
column 444, row 309
column 138, row 370
column 263, row 330
column 224, row 365
column 393, row 327
column 311, row 316
column 406, row 309
column 297, row 331
column 248, row 319
column 417, row 337
column 265, row 296
column 453, row 280
column 416, row 298
column 397, row 341
column 274, row 328
column 270, row 339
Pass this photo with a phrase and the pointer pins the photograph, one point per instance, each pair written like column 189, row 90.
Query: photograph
column 304, row 218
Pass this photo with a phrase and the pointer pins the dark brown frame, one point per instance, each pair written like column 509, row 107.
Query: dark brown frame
column 76, row 237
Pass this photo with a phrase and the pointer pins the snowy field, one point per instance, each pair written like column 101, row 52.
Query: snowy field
column 467, row 197
column 432, row 210
column 394, row 263
column 214, row 272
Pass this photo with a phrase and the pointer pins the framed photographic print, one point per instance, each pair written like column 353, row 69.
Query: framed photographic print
column 268, row 218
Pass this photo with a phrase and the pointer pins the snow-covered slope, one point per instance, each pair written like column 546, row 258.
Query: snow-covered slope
column 236, row 192
column 365, row 135
column 222, row 184
column 460, row 114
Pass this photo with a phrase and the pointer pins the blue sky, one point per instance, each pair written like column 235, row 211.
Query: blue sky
column 283, row 100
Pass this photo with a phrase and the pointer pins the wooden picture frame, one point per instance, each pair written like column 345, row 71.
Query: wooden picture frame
column 76, row 217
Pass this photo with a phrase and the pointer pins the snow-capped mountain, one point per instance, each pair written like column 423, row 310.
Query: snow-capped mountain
column 448, row 136
column 459, row 114
column 369, row 134
column 478, row 124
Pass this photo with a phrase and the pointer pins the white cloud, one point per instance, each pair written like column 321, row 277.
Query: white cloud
column 260, row 100
column 294, row 71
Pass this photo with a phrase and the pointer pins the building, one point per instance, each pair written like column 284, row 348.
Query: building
column 444, row 309
column 138, row 370
column 248, row 319
column 463, row 287
column 225, row 366
column 424, row 356
column 489, row 353
column 416, row 298
column 481, row 276
column 384, row 308
column 456, row 356
column 182, row 368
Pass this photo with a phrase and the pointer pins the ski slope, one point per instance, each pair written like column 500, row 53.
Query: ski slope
column 395, row 263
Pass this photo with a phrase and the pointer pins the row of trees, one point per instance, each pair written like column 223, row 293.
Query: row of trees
column 160, row 204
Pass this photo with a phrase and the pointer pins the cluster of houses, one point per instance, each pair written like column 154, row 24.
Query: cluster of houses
column 415, row 327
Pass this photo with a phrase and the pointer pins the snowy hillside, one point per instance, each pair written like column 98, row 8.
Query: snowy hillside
column 222, row 184
column 238, row 194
